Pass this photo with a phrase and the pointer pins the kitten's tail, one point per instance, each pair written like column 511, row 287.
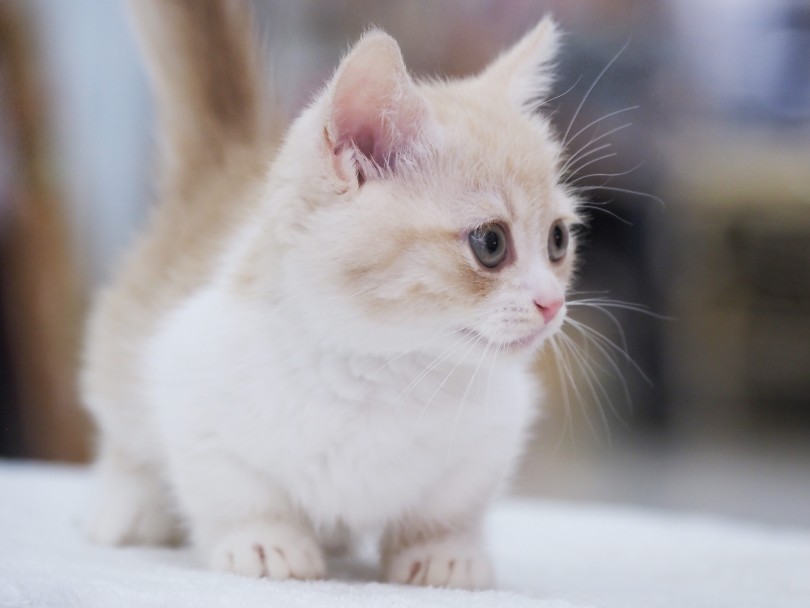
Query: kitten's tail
column 203, row 60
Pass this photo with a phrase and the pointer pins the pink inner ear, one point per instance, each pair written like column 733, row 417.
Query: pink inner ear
column 370, row 140
column 373, row 124
column 375, row 106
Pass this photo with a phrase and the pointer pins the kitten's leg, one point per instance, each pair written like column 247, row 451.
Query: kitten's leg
column 242, row 522
column 417, row 552
column 132, row 505
column 336, row 541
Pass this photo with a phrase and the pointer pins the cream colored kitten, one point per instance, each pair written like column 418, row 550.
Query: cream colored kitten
column 335, row 338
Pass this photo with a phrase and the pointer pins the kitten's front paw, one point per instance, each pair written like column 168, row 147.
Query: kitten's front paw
column 275, row 550
column 449, row 563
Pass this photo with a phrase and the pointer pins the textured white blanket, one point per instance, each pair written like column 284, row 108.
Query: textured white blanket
column 550, row 555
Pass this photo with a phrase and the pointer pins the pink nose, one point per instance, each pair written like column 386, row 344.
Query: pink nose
column 549, row 310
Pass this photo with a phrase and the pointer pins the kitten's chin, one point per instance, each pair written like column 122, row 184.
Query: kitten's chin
column 528, row 343
column 525, row 345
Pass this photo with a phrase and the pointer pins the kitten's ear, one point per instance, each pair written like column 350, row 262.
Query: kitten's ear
column 375, row 115
column 525, row 70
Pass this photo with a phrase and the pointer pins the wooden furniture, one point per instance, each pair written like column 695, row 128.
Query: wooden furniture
column 39, row 307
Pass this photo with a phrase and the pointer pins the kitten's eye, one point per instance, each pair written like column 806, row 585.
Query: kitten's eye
column 557, row 241
column 488, row 243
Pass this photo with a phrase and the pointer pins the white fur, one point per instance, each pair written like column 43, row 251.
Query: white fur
column 249, row 403
column 455, row 562
column 274, row 406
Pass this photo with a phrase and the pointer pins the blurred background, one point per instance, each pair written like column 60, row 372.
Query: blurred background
column 689, row 125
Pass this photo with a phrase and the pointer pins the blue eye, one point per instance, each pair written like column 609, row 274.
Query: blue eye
column 557, row 241
column 488, row 243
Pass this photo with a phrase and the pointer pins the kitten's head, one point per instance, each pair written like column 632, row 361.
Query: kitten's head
column 430, row 213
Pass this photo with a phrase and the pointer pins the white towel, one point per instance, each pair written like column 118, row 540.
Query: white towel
column 547, row 555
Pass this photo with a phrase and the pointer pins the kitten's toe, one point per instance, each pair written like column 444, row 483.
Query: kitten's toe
column 278, row 551
column 449, row 563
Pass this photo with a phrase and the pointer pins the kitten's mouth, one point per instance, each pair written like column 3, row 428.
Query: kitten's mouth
column 525, row 343
column 522, row 344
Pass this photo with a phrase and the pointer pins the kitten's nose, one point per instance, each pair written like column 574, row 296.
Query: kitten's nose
column 549, row 309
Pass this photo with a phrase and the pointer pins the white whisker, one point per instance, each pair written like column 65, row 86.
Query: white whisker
column 618, row 304
column 608, row 175
column 431, row 340
column 595, row 207
column 593, row 382
column 567, row 422
column 430, row 367
column 582, row 155
column 591, row 162
column 489, row 377
column 575, row 387
column 610, row 316
column 623, row 190
column 588, row 92
column 545, row 102
column 446, row 378
column 593, row 123
column 602, row 342
column 586, row 364
column 463, row 401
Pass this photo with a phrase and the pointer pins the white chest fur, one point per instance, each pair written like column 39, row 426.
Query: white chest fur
column 354, row 439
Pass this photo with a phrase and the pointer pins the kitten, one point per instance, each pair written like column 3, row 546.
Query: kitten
column 335, row 337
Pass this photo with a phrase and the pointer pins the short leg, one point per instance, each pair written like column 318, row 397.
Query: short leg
column 244, row 524
column 336, row 541
column 132, row 505
column 421, row 553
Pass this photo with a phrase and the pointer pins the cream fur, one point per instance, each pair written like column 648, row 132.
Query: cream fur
column 321, row 351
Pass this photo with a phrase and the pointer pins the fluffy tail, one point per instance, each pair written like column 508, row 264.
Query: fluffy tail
column 203, row 59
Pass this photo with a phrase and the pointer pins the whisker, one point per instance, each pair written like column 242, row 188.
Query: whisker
column 600, row 340
column 575, row 292
column 446, row 378
column 623, row 190
column 567, row 423
column 610, row 175
column 590, row 89
column 578, row 155
column 489, row 377
column 616, row 373
column 574, row 386
column 594, row 383
column 586, row 363
column 607, row 211
column 612, row 319
column 582, row 155
column 591, row 162
column 545, row 102
column 618, row 304
column 463, row 401
column 595, row 122
column 430, row 341
column 431, row 366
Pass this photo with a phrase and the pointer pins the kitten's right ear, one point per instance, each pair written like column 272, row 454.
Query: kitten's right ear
column 524, row 70
column 375, row 115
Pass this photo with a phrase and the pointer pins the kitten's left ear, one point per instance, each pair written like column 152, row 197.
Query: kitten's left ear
column 375, row 115
column 524, row 71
